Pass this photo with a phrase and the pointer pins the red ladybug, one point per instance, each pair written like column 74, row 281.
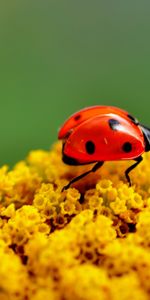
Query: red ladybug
column 103, row 133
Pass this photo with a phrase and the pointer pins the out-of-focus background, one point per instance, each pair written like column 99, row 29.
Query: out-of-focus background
column 57, row 56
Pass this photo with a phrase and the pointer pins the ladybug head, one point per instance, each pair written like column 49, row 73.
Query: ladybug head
column 146, row 133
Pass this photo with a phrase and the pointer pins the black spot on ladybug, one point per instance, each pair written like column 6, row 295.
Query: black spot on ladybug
column 127, row 147
column 134, row 120
column 77, row 117
column 90, row 147
column 113, row 124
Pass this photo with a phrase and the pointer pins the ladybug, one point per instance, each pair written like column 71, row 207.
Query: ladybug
column 103, row 133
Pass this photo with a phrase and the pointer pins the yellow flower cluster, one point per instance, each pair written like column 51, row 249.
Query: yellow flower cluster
column 89, row 242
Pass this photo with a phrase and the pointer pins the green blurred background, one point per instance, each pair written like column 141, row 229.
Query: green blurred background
column 57, row 56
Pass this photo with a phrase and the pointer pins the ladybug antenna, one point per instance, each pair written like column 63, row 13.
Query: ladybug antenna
column 146, row 133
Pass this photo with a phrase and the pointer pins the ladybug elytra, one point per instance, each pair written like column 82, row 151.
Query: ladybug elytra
column 103, row 133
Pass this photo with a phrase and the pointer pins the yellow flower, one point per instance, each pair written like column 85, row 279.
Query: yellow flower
column 91, row 241
column 85, row 282
column 127, row 287
column 9, row 211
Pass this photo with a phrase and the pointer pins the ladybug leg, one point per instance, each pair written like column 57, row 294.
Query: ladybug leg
column 138, row 160
column 94, row 169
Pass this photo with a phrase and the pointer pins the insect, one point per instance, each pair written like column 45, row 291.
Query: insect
column 103, row 133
